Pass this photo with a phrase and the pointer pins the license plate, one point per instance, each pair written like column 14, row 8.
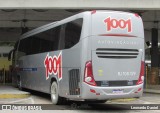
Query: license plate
column 117, row 91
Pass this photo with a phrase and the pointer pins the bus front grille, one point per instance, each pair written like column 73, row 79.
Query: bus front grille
column 74, row 79
column 117, row 53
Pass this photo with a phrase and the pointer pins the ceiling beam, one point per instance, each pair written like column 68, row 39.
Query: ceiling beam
column 81, row 4
column 32, row 24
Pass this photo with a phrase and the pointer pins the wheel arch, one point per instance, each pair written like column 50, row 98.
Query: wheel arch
column 53, row 79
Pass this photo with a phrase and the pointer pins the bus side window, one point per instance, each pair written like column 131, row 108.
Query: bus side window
column 22, row 49
column 73, row 33
column 48, row 40
column 34, row 45
column 42, row 42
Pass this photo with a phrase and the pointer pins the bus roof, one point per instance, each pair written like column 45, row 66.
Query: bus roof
column 50, row 25
column 38, row 29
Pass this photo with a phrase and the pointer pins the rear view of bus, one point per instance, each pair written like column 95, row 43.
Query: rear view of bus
column 115, row 65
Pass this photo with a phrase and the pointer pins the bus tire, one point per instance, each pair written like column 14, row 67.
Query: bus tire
column 19, row 83
column 56, row 99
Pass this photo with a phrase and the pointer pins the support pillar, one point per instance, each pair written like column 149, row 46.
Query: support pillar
column 154, row 58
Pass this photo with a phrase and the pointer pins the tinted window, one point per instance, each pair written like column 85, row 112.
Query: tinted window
column 73, row 33
column 42, row 42
column 23, row 47
column 48, row 40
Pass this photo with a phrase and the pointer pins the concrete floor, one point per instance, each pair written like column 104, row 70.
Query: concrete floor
column 34, row 97
column 111, row 105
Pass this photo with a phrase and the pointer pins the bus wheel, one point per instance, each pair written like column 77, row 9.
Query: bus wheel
column 56, row 99
column 19, row 83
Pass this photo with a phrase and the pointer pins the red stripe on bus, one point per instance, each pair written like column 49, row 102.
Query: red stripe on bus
column 121, row 35
column 93, row 12
column 137, row 15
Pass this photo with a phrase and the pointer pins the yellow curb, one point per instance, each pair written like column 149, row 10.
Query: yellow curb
column 123, row 100
column 9, row 96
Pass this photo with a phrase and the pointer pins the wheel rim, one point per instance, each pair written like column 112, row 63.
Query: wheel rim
column 54, row 92
column 19, row 84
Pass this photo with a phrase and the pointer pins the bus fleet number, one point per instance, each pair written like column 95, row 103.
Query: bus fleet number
column 53, row 65
column 114, row 23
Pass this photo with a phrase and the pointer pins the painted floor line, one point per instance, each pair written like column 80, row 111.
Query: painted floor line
column 30, row 98
column 20, row 100
column 146, row 102
column 9, row 96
